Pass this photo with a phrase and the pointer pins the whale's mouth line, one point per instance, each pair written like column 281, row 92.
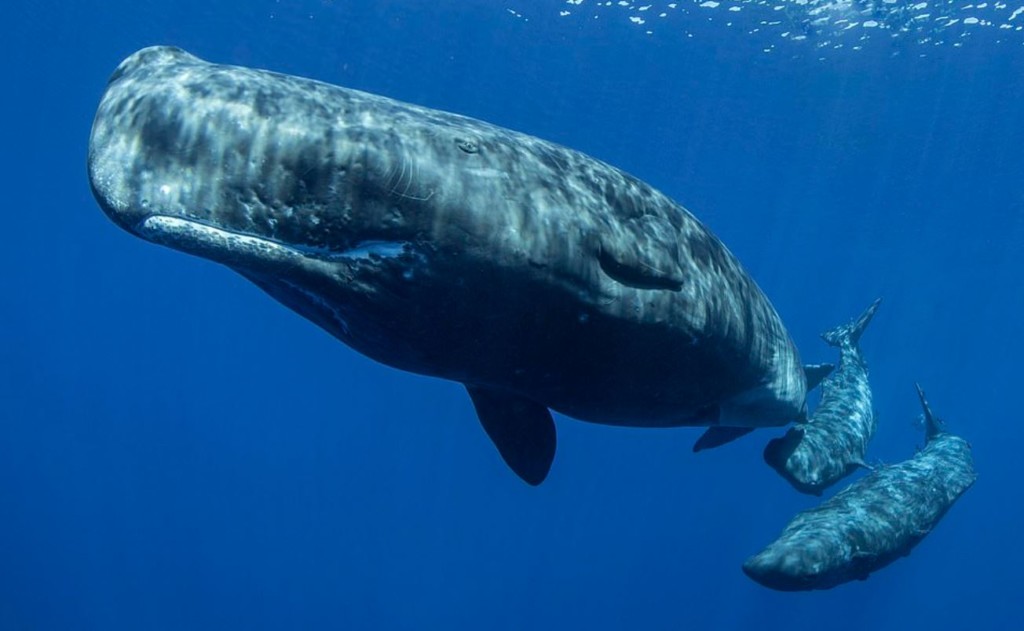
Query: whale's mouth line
column 229, row 246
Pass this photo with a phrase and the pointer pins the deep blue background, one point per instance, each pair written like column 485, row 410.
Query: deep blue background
column 178, row 451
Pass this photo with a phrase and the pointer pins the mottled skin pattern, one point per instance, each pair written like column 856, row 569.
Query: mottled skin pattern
column 815, row 455
column 871, row 523
column 444, row 245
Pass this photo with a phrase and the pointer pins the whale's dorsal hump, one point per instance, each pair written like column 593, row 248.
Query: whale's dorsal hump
column 521, row 429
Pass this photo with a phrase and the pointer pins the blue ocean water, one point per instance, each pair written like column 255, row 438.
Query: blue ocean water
column 178, row 451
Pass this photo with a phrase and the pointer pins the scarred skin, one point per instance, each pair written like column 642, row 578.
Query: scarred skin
column 872, row 522
column 539, row 277
column 832, row 443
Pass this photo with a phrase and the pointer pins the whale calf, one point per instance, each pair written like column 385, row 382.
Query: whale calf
column 539, row 277
column 872, row 522
column 816, row 454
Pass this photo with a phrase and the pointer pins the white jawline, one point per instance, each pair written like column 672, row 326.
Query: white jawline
column 218, row 244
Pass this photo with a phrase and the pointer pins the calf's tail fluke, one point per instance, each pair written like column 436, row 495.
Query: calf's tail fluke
column 932, row 424
column 852, row 331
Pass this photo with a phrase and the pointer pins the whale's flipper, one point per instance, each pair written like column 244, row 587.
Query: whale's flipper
column 522, row 430
column 816, row 373
column 718, row 436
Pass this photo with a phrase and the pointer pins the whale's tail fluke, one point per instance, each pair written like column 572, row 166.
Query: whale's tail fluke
column 932, row 424
column 851, row 332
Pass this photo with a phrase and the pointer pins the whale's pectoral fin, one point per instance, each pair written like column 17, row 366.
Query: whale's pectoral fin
column 522, row 430
column 816, row 373
column 718, row 436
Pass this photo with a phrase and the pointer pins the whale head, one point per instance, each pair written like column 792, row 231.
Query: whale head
column 326, row 208
column 787, row 569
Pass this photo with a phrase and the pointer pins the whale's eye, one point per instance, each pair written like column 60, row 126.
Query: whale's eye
column 467, row 145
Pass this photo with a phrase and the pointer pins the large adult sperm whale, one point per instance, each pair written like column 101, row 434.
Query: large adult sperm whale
column 539, row 277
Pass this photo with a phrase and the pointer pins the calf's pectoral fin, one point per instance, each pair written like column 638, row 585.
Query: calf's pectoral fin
column 718, row 436
column 521, row 429
column 859, row 462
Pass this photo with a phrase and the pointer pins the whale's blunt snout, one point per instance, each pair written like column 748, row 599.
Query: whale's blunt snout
column 788, row 570
column 232, row 149
column 150, row 58
column 779, row 451
column 232, row 165
column 129, row 121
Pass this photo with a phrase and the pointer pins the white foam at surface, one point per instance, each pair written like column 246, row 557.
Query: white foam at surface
column 825, row 24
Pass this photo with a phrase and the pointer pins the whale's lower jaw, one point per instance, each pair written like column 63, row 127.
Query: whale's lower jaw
column 251, row 252
column 224, row 246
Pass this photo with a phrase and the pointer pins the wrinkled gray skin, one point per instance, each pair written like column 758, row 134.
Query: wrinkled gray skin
column 872, row 522
column 537, row 276
column 814, row 455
